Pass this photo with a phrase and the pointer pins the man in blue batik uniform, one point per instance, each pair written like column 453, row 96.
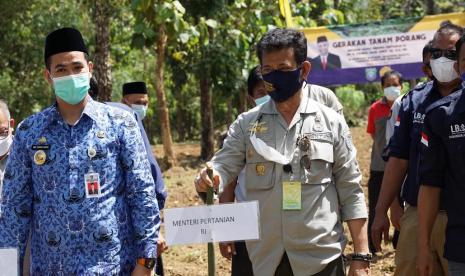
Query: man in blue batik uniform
column 78, row 177
column 135, row 100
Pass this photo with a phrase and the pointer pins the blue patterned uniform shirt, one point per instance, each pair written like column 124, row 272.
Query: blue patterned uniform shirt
column 160, row 190
column 70, row 233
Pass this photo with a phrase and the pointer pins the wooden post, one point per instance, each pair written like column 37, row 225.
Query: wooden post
column 211, row 249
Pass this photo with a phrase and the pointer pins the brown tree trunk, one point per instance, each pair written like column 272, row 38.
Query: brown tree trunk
column 430, row 7
column 229, row 117
column 207, row 140
column 181, row 117
column 206, row 109
column 102, row 69
column 243, row 102
column 161, row 99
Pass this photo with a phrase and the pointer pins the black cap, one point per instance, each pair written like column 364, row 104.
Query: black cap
column 255, row 76
column 64, row 40
column 321, row 39
column 137, row 87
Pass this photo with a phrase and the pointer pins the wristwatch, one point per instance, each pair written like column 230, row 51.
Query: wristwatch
column 148, row 263
column 362, row 257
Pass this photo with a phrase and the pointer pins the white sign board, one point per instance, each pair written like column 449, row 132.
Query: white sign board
column 9, row 262
column 212, row 223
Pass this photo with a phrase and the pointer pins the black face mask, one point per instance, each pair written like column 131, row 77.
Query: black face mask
column 281, row 85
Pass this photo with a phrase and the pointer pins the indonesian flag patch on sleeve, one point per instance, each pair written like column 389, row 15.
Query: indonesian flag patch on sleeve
column 397, row 121
column 424, row 139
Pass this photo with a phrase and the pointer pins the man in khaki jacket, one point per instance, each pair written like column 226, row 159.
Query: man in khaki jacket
column 301, row 167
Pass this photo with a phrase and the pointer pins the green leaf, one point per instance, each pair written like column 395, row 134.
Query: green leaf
column 184, row 37
column 211, row 23
column 138, row 41
column 179, row 7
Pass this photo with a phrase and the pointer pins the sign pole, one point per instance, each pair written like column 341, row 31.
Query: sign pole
column 211, row 249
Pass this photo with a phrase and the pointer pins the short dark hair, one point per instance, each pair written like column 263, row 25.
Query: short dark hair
column 458, row 46
column 255, row 76
column 48, row 61
column 389, row 74
column 427, row 50
column 448, row 28
column 278, row 39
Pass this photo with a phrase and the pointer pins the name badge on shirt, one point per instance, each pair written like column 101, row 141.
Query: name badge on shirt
column 292, row 195
column 92, row 185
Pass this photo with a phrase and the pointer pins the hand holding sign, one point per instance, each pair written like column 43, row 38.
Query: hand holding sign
column 203, row 181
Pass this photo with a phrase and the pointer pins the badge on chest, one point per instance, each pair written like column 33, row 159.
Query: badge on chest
column 92, row 185
column 292, row 195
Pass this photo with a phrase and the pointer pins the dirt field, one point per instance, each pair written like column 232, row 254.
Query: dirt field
column 192, row 260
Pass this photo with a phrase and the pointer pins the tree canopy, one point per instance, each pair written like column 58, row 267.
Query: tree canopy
column 210, row 40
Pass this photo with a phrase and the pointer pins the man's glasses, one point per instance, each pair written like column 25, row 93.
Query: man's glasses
column 437, row 53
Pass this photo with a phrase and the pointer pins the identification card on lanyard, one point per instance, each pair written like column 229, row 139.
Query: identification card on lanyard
column 92, row 185
column 292, row 195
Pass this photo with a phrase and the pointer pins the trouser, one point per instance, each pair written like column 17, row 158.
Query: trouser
column 27, row 258
column 374, row 187
column 334, row 268
column 456, row 269
column 406, row 253
column 159, row 267
column 241, row 264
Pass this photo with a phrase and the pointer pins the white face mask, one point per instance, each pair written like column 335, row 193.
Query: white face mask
column 268, row 152
column 5, row 145
column 443, row 69
column 391, row 93
column 141, row 110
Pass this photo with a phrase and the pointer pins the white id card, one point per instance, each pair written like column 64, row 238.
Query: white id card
column 92, row 185
column 9, row 262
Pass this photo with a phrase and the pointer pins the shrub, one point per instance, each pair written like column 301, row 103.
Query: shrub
column 354, row 104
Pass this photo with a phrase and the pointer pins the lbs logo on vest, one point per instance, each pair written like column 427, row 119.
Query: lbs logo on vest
column 418, row 118
column 457, row 131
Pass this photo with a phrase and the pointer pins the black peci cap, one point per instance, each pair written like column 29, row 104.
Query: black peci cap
column 137, row 87
column 64, row 40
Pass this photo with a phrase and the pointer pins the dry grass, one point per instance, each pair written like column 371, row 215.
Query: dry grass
column 192, row 259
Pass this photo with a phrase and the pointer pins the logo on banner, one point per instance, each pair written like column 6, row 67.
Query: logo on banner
column 370, row 74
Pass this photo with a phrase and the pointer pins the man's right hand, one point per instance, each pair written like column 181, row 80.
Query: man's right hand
column 380, row 228
column 396, row 214
column 202, row 181
column 227, row 249
column 424, row 262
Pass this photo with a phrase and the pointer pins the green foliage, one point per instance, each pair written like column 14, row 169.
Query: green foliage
column 354, row 103
column 229, row 53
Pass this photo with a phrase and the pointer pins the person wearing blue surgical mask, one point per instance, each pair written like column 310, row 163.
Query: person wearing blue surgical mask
column 135, row 96
column 256, row 87
column 71, row 184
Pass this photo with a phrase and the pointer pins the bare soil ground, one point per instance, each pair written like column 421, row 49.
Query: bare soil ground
column 192, row 259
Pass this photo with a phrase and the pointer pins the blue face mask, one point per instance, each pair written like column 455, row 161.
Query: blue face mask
column 281, row 85
column 73, row 88
column 463, row 76
column 141, row 110
column 262, row 100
